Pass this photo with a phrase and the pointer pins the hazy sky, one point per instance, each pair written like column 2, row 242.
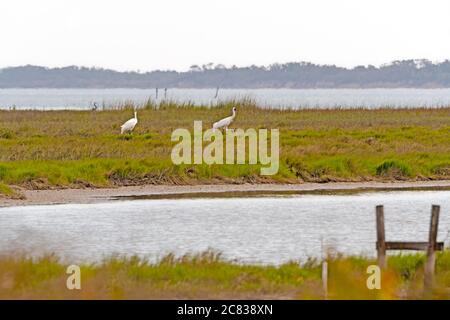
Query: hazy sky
column 174, row 34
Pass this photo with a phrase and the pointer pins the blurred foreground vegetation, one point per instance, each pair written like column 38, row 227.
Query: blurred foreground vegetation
column 208, row 276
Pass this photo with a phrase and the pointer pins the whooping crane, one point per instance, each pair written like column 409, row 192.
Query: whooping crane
column 129, row 125
column 225, row 122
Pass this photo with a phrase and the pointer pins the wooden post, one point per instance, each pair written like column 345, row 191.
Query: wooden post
column 431, row 246
column 381, row 238
column 325, row 278
column 431, row 253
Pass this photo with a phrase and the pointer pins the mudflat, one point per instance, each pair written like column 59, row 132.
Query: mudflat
column 62, row 196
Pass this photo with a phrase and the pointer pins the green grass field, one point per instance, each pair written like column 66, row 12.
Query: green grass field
column 50, row 149
column 208, row 276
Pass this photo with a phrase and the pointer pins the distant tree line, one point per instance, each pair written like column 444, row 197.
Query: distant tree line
column 406, row 73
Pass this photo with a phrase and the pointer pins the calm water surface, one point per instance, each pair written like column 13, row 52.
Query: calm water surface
column 47, row 99
column 268, row 230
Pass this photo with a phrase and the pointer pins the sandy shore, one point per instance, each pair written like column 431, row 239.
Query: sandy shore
column 40, row 197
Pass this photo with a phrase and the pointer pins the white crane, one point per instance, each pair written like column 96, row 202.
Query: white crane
column 129, row 125
column 225, row 122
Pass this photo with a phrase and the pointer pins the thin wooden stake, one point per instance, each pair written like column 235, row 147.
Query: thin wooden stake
column 381, row 238
column 325, row 278
column 431, row 253
column 217, row 93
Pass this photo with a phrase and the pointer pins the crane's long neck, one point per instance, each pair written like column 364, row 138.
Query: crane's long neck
column 135, row 115
column 234, row 114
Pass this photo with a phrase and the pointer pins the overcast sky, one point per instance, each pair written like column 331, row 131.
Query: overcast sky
column 174, row 34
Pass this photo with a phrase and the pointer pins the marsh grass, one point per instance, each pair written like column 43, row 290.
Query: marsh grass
column 6, row 190
column 208, row 276
column 47, row 149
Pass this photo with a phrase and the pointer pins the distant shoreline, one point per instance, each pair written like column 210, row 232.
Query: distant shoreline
column 86, row 196
column 418, row 73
